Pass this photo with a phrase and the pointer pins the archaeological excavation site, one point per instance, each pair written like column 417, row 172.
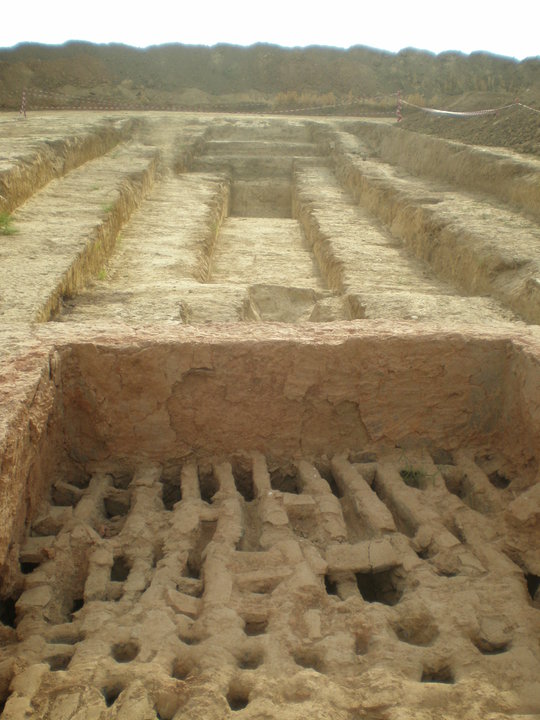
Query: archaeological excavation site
column 269, row 420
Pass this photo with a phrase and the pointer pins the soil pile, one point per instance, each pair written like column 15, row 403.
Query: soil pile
column 516, row 127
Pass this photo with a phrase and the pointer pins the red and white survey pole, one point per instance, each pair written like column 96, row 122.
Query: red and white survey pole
column 399, row 107
column 22, row 111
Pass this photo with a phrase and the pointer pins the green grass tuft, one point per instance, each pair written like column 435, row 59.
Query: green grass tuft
column 6, row 224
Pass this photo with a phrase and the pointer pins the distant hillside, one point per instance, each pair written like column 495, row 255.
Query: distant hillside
column 179, row 73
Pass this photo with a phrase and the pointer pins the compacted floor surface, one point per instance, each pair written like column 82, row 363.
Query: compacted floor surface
column 269, row 421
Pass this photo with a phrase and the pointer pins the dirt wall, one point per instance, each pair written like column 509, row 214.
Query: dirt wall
column 30, row 448
column 493, row 172
column 166, row 397
column 54, row 158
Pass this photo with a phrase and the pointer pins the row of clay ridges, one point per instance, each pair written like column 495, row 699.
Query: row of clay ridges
column 143, row 594
column 377, row 276
column 387, row 244
column 339, row 208
column 479, row 244
column 367, row 265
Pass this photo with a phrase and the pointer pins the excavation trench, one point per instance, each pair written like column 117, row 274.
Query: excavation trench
column 451, row 231
column 277, row 223
column 111, row 401
column 226, row 246
column 259, row 248
column 179, row 488
column 58, row 156
column 191, row 514
column 501, row 174
column 97, row 251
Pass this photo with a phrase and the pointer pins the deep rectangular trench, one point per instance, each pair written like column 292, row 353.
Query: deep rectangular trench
column 115, row 422
column 268, row 197
column 294, row 392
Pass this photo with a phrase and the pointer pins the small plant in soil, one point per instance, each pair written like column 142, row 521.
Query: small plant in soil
column 6, row 224
column 413, row 477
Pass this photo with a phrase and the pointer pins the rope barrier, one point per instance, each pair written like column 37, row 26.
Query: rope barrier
column 59, row 101
column 67, row 103
column 462, row 113
column 528, row 107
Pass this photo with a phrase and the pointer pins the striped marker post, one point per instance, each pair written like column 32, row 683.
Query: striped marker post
column 22, row 111
column 399, row 107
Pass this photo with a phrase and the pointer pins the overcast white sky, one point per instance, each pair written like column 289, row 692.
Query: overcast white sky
column 509, row 28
